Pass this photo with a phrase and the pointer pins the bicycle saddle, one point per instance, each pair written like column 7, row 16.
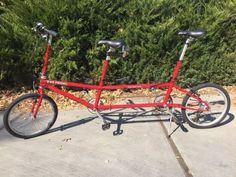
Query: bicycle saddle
column 195, row 33
column 112, row 43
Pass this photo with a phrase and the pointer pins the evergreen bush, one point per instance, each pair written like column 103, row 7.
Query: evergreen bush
column 149, row 28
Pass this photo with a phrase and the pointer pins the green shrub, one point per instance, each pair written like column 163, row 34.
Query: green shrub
column 149, row 28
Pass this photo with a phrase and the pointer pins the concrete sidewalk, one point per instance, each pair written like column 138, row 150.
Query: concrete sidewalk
column 209, row 152
column 83, row 150
column 1, row 119
column 141, row 149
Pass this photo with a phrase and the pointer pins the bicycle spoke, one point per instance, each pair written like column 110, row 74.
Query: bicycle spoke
column 21, row 121
column 214, row 105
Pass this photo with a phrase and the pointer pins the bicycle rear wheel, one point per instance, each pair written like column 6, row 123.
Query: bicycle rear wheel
column 218, row 101
column 19, row 120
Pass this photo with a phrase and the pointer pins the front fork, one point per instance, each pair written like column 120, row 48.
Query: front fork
column 37, row 103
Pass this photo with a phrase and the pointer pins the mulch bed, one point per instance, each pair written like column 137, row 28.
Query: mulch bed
column 7, row 96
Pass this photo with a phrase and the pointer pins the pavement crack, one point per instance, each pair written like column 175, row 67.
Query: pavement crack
column 177, row 153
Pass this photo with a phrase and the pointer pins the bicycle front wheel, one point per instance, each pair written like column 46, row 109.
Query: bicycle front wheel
column 19, row 120
column 216, row 98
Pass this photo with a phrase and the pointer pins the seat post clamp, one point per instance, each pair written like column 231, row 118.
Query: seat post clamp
column 109, row 52
column 108, row 57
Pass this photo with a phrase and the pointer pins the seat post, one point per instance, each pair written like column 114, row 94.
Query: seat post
column 185, row 48
column 111, row 50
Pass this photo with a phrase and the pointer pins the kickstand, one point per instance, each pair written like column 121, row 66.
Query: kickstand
column 118, row 131
column 176, row 120
column 169, row 134
column 106, row 125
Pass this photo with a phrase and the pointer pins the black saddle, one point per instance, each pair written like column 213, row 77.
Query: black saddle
column 112, row 43
column 195, row 33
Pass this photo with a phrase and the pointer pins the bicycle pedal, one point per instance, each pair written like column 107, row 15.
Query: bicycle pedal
column 106, row 126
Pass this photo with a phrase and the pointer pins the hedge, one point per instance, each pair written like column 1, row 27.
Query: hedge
column 149, row 28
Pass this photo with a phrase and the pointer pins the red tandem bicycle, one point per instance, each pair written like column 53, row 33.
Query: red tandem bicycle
column 30, row 115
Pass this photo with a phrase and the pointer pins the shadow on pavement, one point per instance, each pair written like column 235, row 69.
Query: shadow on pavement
column 120, row 117
column 133, row 117
column 71, row 125
column 230, row 117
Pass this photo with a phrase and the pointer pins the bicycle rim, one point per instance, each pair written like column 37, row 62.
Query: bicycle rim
column 218, row 107
column 22, row 122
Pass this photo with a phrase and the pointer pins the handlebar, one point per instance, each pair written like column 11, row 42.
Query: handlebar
column 43, row 31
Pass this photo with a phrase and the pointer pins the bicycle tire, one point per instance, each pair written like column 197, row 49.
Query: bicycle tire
column 19, row 121
column 219, row 107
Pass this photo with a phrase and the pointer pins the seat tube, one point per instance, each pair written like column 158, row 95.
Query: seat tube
column 179, row 62
column 176, row 70
column 101, row 83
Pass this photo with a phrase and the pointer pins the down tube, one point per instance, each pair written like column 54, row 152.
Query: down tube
column 68, row 95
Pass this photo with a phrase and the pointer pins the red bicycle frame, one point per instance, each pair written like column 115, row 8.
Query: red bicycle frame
column 50, row 85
